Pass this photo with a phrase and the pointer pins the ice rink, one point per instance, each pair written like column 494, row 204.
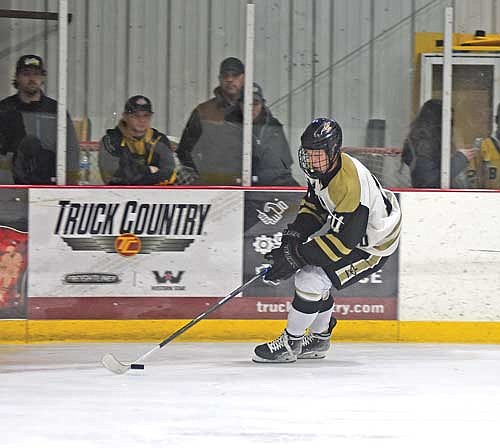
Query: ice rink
column 211, row 394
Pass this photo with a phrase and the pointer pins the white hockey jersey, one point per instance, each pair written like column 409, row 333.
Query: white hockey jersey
column 363, row 215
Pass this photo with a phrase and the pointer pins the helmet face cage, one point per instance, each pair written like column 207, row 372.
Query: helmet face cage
column 311, row 163
column 324, row 135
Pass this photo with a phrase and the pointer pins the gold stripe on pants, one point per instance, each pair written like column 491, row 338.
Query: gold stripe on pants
column 347, row 272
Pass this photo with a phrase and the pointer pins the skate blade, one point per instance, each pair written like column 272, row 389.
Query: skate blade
column 258, row 359
column 312, row 355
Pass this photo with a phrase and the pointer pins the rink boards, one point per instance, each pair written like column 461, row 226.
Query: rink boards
column 136, row 264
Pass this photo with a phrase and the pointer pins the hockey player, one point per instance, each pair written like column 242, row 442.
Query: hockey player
column 364, row 229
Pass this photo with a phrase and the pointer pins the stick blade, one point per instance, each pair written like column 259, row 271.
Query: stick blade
column 113, row 365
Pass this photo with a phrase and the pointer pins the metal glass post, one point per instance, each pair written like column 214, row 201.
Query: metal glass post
column 62, row 93
column 446, row 116
column 247, row 105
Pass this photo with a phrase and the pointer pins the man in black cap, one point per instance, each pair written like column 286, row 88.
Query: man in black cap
column 28, row 128
column 134, row 153
column 271, row 158
column 207, row 144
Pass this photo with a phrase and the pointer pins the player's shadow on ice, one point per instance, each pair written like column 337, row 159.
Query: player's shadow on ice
column 300, row 363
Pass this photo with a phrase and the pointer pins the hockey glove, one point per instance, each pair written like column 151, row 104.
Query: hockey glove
column 286, row 261
column 292, row 237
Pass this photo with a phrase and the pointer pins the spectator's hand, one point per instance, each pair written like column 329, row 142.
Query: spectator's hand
column 34, row 166
column 470, row 154
column 153, row 169
column 131, row 172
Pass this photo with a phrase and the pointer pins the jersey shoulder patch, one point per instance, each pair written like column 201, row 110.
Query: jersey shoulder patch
column 345, row 188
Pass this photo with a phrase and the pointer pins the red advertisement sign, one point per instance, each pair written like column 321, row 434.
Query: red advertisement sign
column 13, row 252
column 13, row 261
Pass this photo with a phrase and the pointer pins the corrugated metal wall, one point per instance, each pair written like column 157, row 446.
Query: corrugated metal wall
column 348, row 58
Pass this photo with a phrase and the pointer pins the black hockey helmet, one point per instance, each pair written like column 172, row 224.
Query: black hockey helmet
column 321, row 134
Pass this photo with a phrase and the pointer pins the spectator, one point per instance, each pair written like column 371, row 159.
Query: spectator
column 208, row 145
column 422, row 150
column 488, row 159
column 134, row 153
column 271, row 158
column 28, row 128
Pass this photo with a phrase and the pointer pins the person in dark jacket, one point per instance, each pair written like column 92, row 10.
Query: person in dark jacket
column 422, row 150
column 208, row 145
column 271, row 158
column 134, row 153
column 28, row 128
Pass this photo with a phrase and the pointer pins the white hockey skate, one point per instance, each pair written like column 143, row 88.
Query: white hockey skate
column 316, row 345
column 284, row 348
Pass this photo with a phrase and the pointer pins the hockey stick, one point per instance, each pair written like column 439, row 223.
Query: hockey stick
column 118, row 367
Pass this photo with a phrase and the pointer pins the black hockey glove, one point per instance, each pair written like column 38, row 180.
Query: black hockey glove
column 292, row 236
column 286, row 261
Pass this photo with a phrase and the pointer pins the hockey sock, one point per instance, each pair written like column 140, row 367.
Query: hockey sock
column 302, row 314
column 322, row 320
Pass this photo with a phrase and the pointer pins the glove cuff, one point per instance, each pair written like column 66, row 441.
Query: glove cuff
column 293, row 256
column 291, row 234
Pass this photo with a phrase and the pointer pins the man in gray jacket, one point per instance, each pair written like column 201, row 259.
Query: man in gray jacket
column 208, row 144
column 271, row 158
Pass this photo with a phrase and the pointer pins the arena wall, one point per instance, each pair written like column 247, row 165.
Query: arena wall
column 443, row 284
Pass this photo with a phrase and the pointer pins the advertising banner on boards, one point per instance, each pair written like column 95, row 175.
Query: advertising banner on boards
column 13, row 252
column 134, row 243
column 170, row 254
column 266, row 215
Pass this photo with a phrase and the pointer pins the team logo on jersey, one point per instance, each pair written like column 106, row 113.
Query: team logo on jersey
column 337, row 223
column 351, row 271
column 272, row 212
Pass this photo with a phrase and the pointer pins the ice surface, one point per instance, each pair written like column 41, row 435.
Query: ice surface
column 211, row 394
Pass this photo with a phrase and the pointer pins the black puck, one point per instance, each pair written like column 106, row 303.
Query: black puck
column 137, row 366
